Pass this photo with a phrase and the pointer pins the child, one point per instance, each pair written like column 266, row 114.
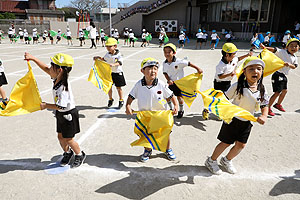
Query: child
column 161, row 37
column 115, row 59
column 26, row 37
column 248, row 93
column 21, row 34
column 45, row 34
column 131, row 38
column 81, row 36
column 69, row 36
column 253, row 39
column 199, row 36
column 10, row 35
column 126, row 36
column 3, row 81
column 149, row 91
column 147, row 35
column 67, row 117
column 228, row 37
column 181, row 38
column 144, row 34
column 286, row 38
column 50, row 37
column 205, row 36
column 58, row 37
column 1, row 35
column 102, row 35
column 34, row 36
column 116, row 34
column 97, row 37
column 267, row 38
column 279, row 78
column 214, row 36
column 173, row 70
column 225, row 70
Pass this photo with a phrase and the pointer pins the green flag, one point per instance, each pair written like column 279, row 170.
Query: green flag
column 53, row 33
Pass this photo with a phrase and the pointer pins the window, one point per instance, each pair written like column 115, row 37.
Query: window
column 254, row 8
column 223, row 11
column 218, row 12
column 264, row 10
column 236, row 10
column 228, row 16
column 245, row 10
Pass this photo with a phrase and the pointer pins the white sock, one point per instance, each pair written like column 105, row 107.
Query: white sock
column 180, row 107
column 170, row 105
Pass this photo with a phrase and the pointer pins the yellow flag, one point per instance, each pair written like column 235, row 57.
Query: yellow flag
column 272, row 63
column 189, row 86
column 100, row 75
column 153, row 128
column 216, row 102
column 24, row 98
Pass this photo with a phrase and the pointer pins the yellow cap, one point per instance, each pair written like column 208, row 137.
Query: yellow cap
column 252, row 60
column 172, row 46
column 62, row 59
column 149, row 62
column 111, row 42
column 293, row 40
column 229, row 48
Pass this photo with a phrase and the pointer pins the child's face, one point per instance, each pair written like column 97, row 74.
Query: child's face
column 293, row 47
column 150, row 72
column 168, row 53
column 253, row 73
column 54, row 71
column 230, row 57
column 111, row 49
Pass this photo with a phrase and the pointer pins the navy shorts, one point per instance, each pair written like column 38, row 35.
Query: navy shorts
column 222, row 85
column 279, row 82
column 118, row 79
column 3, row 80
column 67, row 123
column 175, row 89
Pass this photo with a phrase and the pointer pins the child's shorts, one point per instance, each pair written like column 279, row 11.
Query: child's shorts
column 144, row 40
column 175, row 89
column 97, row 37
column 222, row 85
column 213, row 41
column 58, row 38
column 237, row 130
column 228, row 40
column 69, row 38
column 199, row 40
column 131, row 40
column 181, row 41
column 3, row 80
column 44, row 38
column 67, row 123
column 21, row 37
column 126, row 37
column 279, row 82
column 161, row 41
column 50, row 37
column 118, row 79
column 26, row 39
column 102, row 39
column 81, row 39
column 35, row 39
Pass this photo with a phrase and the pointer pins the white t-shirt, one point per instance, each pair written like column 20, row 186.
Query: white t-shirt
column 102, row 34
column 81, row 34
column 267, row 38
column 111, row 59
column 286, row 57
column 93, row 32
column 286, row 38
column 161, row 36
column 131, row 35
column 227, row 36
column 199, row 35
column 1, row 66
column 223, row 68
column 151, row 97
column 21, row 33
column 68, row 33
column 181, row 37
column 144, row 36
column 297, row 27
column 126, row 33
column 63, row 99
column 116, row 35
column 214, row 36
column 26, row 34
column 34, row 34
column 175, row 68
column 58, row 34
column 45, row 34
column 249, row 100
column 253, row 39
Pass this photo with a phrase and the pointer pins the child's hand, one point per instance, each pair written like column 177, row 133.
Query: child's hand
column 287, row 64
column 170, row 82
column 262, row 46
column 43, row 105
column 129, row 111
column 233, row 73
column 200, row 71
column 28, row 56
column 175, row 110
column 250, row 53
column 262, row 119
column 97, row 57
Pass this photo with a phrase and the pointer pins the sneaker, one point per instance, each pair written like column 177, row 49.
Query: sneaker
column 110, row 102
column 121, row 104
column 79, row 159
column 180, row 114
column 67, row 158
column 212, row 166
column 279, row 107
column 205, row 114
column 170, row 154
column 146, row 155
column 271, row 112
column 227, row 164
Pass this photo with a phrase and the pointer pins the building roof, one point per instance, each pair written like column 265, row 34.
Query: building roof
column 106, row 11
column 51, row 12
column 13, row 6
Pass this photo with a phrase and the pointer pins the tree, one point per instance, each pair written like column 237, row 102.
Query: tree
column 69, row 12
column 89, row 5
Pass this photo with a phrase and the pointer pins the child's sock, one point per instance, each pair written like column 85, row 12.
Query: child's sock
column 170, row 105
column 180, row 107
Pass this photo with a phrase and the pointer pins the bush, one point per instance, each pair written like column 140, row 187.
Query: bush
column 7, row 15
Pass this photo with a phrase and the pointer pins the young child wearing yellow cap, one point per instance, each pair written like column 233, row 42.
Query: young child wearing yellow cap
column 115, row 59
column 150, row 91
column 248, row 93
column 279, row 78
column 67, row 117
column 225, row 70
column 173, row 70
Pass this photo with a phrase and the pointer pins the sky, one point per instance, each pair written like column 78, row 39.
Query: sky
column 114, row 3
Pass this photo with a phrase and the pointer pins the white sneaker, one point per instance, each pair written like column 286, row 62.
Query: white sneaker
column 212, row 166
column 227, row 164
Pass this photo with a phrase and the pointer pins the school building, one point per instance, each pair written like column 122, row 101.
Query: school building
column 242, row 17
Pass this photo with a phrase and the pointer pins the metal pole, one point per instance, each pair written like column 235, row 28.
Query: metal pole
column 110, row 17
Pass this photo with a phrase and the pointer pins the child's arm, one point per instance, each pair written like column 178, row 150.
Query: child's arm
column 98, row 57
column 292, row 66
column 45, row 105
column 245, row 56
column 272, row 49
column 200, row 71
column 169, row 81
column 263, row 118
column 174, row 101
column 129, row 111
column 42, row 65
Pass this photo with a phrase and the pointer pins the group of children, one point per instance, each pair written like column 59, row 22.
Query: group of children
column 248, row 92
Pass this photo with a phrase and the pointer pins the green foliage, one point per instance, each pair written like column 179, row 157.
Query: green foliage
column 7, row 15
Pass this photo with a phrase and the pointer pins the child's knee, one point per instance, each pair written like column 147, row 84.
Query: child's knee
column 240, row 145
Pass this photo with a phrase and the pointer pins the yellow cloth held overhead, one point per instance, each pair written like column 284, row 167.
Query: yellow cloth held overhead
column 153, row 128
column 272, row 63
column 216, row 102
column 24, row 98
column 189, row 85
column 100, row 75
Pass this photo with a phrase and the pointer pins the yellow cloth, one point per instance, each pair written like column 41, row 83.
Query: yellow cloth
column 24, row 98
column 100, row 75
column 272, row 63
column 189, row 86
column 153, row 128
column 216, row 102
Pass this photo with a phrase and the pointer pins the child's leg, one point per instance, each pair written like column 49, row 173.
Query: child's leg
column 120, row 92
column 281, row 96
column 273, row 98
column 219, row 150
column 110, row 93
column 235, row 150
column 73, row 144
column 63, row 142
column 2, row 93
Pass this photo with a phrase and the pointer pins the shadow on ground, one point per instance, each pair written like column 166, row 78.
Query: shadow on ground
column 289, row 185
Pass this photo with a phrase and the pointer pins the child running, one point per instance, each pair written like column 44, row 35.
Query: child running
column 214, row 36
column 69, row 36
column 115, row 59
column 248, row 93
column 67, row 117
column 149, row 91
column 279, row 78
column 173, row 70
